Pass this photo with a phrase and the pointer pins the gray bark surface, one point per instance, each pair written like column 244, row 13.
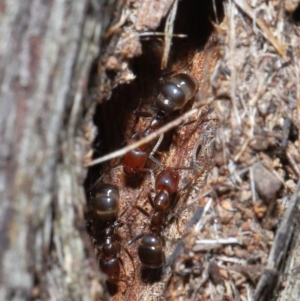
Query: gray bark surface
column 47, row 48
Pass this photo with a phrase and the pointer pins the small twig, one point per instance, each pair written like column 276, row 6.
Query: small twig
column 252, row 185
column 196, row 199
column 162, row 34
column 124, row 15
column 201, row 283
column 233, row 70
column 243, row 148
column 169, row 27
column 284, row 233
column 149, row 34
column 222, row 241
column 224, row 258
column 295, row 50
column 292, row 162
column 269, row 278
column 155, row 135
column 215, row 12
column 206, row 208
column 266, row 32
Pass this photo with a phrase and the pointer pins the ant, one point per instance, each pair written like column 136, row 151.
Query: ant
column 105, row 205
column 150, row 250
column 110, row 261
column 173, row 95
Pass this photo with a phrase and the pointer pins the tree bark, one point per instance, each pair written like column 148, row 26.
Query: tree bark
column 47, row 48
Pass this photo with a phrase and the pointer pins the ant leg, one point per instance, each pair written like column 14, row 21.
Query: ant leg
column 161, row 137
column 95, row 184
column 169, row 74
column 173, row 205
column 134, row 239
column 122, row 265
column 200, row 153
column 188, row 122
column 177, row 224
column 123, row 221
column 119, row 221
column 90, row 228
column 195, row 154
column 175, row 215
column 140, row 113
column 143, row 211
column 100, row 179
column 201, row 118
column 143, row 114
column 150, row 171
column 150, row 200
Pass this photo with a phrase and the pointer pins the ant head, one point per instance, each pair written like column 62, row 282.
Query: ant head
column 109, row 231
column 151, row 251
column 167, row 179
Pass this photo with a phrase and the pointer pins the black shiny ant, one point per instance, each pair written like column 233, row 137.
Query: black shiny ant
column 151, row 249
column 105, row 205
column 109, row 262
column 176, row 92
column 173, row 95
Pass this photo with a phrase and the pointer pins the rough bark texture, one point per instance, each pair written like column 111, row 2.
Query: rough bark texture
column 47, row 48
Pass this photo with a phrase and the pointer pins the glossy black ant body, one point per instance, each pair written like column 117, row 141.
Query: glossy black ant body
column 109, row 262
column 151, row 250
column 176, row 92
column 173, row 95
column 105, row 205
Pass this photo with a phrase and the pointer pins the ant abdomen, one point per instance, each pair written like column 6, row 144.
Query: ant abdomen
column 109, row 261
column 167, row 179
column 176, row 92
column 187, row 83
column 135, row 160
column 151, row 252
column 106, row 202
column 110, row 267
